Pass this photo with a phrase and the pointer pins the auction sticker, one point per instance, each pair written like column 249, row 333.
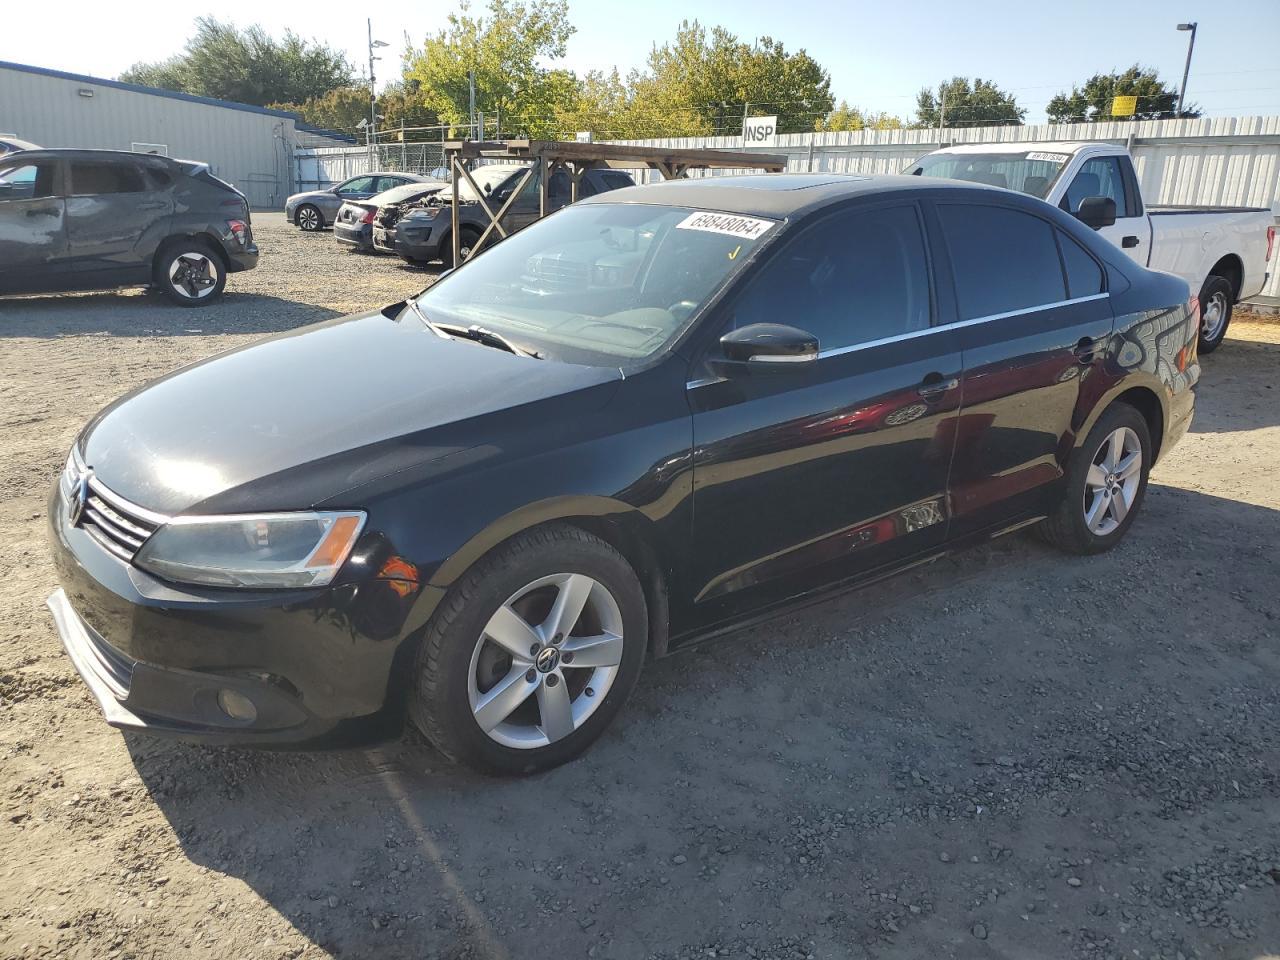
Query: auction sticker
column 731, row 225
column 1050, row 157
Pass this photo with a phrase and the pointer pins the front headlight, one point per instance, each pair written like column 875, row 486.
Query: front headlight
column 267, row 550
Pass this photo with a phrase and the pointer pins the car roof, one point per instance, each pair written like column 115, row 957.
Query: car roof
column 390, row 173
column 776, row 195
column 1022, row 146
column 80, row 153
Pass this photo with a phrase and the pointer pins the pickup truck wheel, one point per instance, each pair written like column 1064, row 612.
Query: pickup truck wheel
column 532, row 653
column 1215, row 312
column 309, row 218
column 1105, row 484
column 189, row 272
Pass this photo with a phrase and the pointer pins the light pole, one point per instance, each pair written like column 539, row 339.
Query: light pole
column 1186, row 71
column 373, row 97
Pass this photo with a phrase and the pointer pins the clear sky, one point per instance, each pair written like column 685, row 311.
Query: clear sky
column 879, row 54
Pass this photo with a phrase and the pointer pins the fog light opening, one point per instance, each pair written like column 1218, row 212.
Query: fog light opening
column 237, row 706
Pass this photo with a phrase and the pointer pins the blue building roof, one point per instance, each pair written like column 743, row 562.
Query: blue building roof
column 139, row 88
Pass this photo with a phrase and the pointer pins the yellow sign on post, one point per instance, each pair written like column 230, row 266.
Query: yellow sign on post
column 1124, row 106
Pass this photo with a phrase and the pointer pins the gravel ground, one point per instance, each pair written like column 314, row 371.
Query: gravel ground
column 1011, row 753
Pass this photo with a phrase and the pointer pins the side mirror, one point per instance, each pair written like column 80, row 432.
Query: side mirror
column 488, row 188
column 1096, row 212
column 766, row 346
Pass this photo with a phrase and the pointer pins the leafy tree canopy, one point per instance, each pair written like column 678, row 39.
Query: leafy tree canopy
column 979, row 103
column 845, row 117
column 1091, row 101
column 247, row 66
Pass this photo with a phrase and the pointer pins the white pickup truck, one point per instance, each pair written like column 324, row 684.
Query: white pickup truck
column 1224, row 252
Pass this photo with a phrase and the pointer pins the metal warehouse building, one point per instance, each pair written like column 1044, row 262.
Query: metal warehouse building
column 251, row 147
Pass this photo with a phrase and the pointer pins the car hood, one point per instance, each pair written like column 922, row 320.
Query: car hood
column 308, row 195
column 300, row 418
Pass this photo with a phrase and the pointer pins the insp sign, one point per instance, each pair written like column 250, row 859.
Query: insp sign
column 759, row 131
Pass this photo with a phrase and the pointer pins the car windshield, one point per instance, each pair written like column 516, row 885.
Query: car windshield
column 1032, row 172
column 599, row 283
column 489, row 175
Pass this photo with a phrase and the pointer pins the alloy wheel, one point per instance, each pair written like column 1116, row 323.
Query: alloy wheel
column 309, row 218
column 545, row 661
column 1111, row 485
column 193, row 275
column 1215, row 312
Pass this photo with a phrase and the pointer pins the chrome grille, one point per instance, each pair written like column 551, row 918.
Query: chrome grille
column 119, row 526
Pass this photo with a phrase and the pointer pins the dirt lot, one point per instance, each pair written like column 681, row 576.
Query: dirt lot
column 1010, row 754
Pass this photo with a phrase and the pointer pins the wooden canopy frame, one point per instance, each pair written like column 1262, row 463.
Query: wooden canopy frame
column 576, row 159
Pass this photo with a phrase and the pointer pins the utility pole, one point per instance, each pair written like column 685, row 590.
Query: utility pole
column 1186, row 71
column 471, row 82
column 942, row 109
column 372, row 135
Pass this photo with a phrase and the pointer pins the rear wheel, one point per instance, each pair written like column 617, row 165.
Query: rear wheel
column 1106, row 483
column 1216, row 297
column 532, row 653
column 309, row 218
column 189, row 272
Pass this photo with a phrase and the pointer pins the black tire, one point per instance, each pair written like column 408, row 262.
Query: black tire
column 467, row 237
column 1216, row 294
column 440, row 706
column 1067, row 528
column 309, row 218
column 189, row 272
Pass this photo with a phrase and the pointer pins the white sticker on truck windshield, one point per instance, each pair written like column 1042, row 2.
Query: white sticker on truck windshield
column 744, row 228
column 1050, row 157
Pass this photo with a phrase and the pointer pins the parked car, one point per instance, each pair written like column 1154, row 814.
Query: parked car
column 10, row 143
column 421, row 232
column 96, row 219
column 1223, row 252
column 518, row 497
column 353, row 227
column 316, row 209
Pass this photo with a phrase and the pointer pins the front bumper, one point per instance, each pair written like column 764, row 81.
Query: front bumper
column 318, row 665
column 414, row 240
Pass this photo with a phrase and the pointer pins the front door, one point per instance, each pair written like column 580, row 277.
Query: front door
column 111, row 206
column 1106, row 177
column 33, row 240
column 832, row 468
column 1035, row 323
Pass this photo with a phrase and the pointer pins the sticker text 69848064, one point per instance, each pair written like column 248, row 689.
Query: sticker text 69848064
column 745, row 228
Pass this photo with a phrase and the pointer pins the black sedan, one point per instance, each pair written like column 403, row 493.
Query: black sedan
column 488, row 506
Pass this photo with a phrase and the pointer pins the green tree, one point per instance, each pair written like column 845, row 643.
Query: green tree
column 343, row 109
column 506, row 47
column 1091, row 102
column 247, row 66
column 977, row 104
column 845, row 117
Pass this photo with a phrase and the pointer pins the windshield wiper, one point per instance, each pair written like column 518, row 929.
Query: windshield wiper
column 474, row 333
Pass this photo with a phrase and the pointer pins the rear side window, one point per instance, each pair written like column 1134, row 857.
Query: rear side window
column 853, row 278
column 26, row 181
column 1084, row 276
column 1099, row 177
column 95, row 177
column 1004, row 260
column 615, row 180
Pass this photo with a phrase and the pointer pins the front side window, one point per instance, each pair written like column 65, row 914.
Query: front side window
column 26, row 181
column 91, row 178
column 1003, row 259
column 1099, row 177
column 853, row 278
column 598, row 283
column 357, row 185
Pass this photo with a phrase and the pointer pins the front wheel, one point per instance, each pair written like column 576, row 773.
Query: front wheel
column 309, row 218
column 1215, row 312
column 189, row 273
column 467, row 239
column 1105, row 484
column 532, row 654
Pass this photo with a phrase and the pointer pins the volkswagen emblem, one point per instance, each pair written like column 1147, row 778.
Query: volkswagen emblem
column 547, row 660
column 78, row 498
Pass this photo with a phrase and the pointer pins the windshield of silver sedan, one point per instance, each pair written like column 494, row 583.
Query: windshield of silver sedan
column 600, row 283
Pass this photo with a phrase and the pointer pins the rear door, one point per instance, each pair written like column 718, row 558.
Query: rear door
column 1030, row 344
column 1112, row 176
column 111, row 206
column 835, row 467
column 33, row 238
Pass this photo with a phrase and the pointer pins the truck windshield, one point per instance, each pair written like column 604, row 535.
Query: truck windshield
column 598, row 283
column 1032, row 172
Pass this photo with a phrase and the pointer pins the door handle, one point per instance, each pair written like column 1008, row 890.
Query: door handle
column 1130, row 241
column 934, row 386
column 1086, row 350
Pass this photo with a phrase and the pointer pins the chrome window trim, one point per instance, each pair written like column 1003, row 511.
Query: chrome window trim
column 911, row 334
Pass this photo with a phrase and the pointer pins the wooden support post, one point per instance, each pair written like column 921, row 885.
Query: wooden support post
column 453, row 233
column 544, row 170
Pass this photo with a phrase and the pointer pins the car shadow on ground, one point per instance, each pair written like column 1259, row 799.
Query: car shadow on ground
column 1239, row 360
column 693, row 820
column 136, row 313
